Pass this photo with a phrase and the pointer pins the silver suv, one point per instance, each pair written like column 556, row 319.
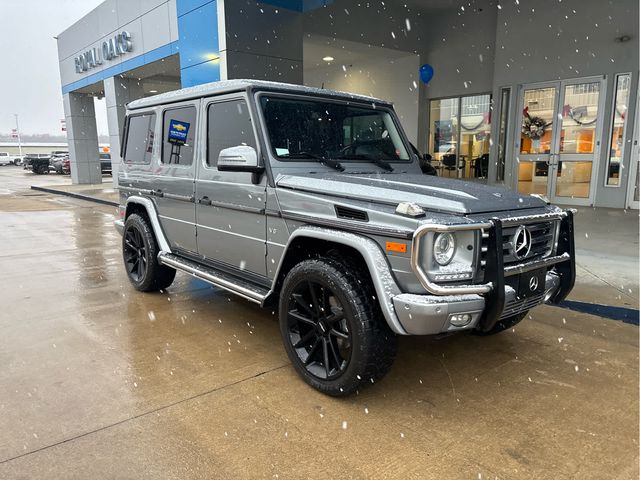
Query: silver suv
column 314, row 202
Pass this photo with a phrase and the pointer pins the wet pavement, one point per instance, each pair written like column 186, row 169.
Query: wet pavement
column 101, row 381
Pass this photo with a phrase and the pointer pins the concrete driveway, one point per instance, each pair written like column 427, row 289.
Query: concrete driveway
column 100, row 381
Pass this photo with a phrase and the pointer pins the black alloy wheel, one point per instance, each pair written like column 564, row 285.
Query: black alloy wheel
column 135, row 254
column 318, row 330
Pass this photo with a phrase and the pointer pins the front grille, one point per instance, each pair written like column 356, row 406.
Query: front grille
column 520, row 305
column 542, row 238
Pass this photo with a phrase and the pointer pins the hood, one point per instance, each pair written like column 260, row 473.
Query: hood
column 430, row 192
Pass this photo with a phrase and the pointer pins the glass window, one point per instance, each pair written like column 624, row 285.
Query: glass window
column 579, row 118
column 537, row 120
column 505, row 103
column 140, row 133
column 460, row 135
column 304, row 129
column 181, row 121
column 616, row 144
column 228, row 125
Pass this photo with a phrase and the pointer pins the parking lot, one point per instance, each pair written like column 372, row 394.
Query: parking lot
column 101, row 381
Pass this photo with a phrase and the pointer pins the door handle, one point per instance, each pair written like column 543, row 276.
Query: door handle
column 204, row 201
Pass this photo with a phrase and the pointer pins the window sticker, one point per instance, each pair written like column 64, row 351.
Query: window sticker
column 178, row 132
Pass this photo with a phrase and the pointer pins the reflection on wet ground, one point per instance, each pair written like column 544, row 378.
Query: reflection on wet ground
column 100, row 381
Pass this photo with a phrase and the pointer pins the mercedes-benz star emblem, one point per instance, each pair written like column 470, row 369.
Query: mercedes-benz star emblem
column 533, row 284
column 521, row 242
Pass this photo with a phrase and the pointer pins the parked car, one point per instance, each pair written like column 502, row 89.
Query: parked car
column 17, row 159
column 105, row 162
column 57, row 159
column 5, row 159
column 66, row 166
column 312, row 203
column 37, row 162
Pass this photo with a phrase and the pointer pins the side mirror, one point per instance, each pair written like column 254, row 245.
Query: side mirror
column 242, row 158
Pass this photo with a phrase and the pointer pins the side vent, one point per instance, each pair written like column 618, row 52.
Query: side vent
column 351, row 214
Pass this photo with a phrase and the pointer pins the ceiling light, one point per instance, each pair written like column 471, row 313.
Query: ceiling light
column 328, row 58
column 153, row 91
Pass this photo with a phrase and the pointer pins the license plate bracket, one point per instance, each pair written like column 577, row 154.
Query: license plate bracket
column 532, row 284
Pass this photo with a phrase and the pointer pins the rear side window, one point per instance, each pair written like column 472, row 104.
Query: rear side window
column 228, row 125
column 178, row 134
column 140, row 133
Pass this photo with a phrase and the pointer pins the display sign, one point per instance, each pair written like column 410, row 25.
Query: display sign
column 178, row 132
column 14, row 133
column 110, row 49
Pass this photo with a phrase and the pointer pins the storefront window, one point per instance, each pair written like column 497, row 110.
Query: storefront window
column 616, row 144
column 460, row 136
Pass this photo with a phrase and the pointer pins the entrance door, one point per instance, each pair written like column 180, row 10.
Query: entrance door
column 560, row 139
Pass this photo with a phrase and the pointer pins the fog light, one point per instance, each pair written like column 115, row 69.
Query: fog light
column 460, row 319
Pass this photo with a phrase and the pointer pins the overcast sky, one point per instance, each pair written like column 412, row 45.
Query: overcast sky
column 29, row 75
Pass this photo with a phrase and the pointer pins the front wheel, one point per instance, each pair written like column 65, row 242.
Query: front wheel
column 332, row 327
column 140, row 253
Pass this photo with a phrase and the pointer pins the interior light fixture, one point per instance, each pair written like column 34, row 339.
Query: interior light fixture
column 153, row 91
column 328, row 58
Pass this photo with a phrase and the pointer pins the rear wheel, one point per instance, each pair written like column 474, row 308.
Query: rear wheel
column 140, row 254
column 332, row 327
column 504, row 324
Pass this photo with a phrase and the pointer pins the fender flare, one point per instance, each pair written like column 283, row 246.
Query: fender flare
column 385, row 286
column 153, row 217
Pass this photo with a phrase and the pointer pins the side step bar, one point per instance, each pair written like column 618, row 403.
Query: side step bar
column 217, row 278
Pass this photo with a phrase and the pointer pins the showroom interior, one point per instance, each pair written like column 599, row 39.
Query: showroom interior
column 538, row 96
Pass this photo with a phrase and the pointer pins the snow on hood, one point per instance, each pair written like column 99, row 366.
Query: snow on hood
column 430, row 192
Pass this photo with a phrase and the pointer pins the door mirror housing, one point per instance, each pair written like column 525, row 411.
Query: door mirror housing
column 242, row 158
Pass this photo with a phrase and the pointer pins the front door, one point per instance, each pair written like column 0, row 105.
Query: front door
column 633, row 192
column 230, row 207
column 560, row 139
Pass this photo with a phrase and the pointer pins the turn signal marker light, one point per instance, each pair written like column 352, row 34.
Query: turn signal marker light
column 396, row 247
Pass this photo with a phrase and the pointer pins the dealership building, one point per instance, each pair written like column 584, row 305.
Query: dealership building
column 541, row 96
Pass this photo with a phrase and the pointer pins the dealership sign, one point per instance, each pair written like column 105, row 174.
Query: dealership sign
column 110, row 49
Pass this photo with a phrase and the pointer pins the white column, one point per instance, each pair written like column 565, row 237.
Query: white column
column 118, row 92
column 82, row 136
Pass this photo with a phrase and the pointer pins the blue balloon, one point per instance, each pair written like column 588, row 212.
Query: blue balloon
column 426, row 73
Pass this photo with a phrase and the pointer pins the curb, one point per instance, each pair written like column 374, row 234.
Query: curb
column 75, row 195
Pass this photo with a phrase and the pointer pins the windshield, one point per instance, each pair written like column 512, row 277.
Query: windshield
column 316, row 128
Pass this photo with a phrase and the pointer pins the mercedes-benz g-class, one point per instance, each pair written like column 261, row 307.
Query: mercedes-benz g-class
column 314, row 202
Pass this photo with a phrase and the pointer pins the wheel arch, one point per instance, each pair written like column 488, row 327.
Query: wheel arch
column 142, row 205
column 307, row 241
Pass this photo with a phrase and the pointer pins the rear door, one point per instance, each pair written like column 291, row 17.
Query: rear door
column 174, row 174
column 230, row 208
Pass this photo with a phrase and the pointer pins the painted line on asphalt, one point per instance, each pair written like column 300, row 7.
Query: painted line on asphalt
column 620, row 314
column 75, row 195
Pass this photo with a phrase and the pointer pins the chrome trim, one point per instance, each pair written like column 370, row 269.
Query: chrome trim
column 527, row 267
column 527, row 219
column 422, row 275
column 349, row 225
column 214, row 280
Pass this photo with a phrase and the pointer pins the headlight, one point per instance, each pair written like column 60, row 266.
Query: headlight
column 444, row 248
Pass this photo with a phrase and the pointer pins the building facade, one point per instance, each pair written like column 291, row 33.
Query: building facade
column 540, row 96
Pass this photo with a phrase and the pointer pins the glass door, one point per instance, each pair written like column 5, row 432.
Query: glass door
column 536, row 143
column 560, row 139
column 577, row 142
column 633, row 193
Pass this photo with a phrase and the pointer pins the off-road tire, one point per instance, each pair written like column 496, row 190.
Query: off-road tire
column 155, row 276
column 373, row 344
column 504, row 324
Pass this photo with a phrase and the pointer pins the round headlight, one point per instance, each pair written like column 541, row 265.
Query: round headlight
column 444, row 248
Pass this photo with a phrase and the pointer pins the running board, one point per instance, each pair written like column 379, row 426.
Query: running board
column 217, row 278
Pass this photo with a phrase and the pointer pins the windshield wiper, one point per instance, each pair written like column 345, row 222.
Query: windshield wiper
column 324, row 161
column 375, row 160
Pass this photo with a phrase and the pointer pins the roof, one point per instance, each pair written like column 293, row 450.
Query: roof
column 228, row 86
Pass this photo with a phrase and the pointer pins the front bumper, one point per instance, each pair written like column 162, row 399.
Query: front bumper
column 431, row 314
